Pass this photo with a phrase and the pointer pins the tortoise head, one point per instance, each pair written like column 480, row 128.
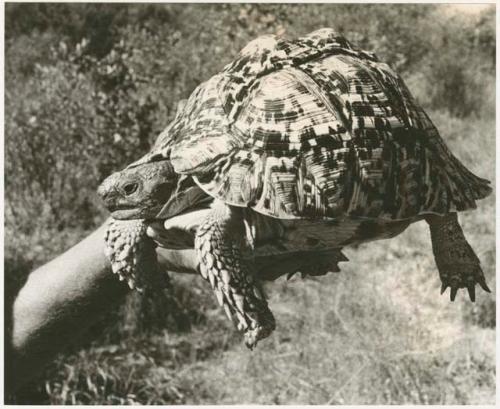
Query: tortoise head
column 139, row 192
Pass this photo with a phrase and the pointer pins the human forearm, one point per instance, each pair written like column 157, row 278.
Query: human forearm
column 58, row 301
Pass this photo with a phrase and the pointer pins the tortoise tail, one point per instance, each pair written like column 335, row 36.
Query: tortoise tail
column 464, row 188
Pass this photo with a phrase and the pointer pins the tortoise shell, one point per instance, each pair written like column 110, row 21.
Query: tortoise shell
column 315, row 128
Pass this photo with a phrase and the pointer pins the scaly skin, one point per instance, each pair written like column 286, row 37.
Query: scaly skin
column 132, row 254
column 457, row 263
column 220, row 245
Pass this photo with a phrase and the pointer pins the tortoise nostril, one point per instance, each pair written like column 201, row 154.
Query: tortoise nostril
column 104, row 191
column 130, row 188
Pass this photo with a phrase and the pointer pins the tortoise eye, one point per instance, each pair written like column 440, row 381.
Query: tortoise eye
column 130, row 188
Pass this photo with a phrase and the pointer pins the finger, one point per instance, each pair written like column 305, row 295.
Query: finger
column 160, row 237
column 187, row 221
column 154, row 233
column 172, row 239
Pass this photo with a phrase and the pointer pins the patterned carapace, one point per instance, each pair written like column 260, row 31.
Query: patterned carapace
column 315, row 128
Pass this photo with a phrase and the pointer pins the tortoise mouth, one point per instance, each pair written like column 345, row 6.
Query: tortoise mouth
column 125, row 212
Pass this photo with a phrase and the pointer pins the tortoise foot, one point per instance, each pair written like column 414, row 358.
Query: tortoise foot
column 462, row 276
column 261, row 328
column 458, row 265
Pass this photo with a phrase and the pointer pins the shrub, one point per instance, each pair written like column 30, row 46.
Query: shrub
column 67, row 127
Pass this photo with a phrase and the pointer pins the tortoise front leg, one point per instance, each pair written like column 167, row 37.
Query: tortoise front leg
column 220, row 244
column 132, row 255
column 456, row 261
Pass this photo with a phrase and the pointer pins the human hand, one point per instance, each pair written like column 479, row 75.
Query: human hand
column 177, row 233
column 175, row 240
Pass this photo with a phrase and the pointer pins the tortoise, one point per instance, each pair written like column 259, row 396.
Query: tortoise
column 309, row 144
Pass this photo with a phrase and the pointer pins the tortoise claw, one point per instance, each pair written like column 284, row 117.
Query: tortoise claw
column 453, row 293
column 290, row 275
column 255, row 334
column 250, row 344
column 484, row 286
column 463, row 279
column 471, row 289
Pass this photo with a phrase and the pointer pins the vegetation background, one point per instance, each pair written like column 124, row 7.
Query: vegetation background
column 87, row 89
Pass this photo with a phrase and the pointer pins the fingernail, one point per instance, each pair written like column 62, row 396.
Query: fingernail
column 151, row 232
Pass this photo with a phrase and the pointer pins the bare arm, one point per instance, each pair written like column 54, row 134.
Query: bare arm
column 61, row 299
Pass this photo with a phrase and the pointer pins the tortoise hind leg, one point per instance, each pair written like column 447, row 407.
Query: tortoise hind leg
column 220, row 244
column 456, row 261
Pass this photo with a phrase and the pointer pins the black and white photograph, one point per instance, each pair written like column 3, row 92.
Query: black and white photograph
column 249, row 203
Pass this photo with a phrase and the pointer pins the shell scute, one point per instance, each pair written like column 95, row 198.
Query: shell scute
column 315, row 128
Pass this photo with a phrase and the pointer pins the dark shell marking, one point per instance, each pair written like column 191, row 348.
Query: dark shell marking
column 315, row 128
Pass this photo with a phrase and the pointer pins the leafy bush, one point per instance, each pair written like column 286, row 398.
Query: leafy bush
column 68, row 126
